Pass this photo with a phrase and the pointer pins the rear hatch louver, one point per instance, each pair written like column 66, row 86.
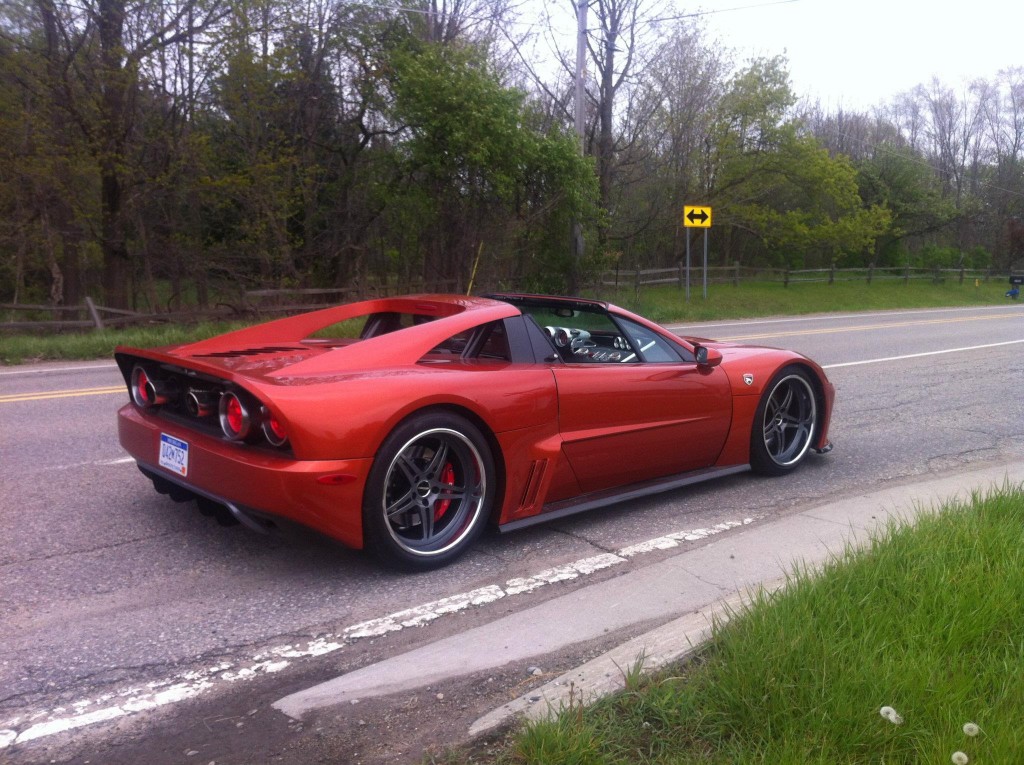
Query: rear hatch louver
column 270, row 349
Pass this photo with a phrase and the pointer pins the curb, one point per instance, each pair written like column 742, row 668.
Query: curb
column 684, row 636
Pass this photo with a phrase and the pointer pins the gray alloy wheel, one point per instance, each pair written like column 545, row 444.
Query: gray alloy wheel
column 429, row 492
column 785, row 424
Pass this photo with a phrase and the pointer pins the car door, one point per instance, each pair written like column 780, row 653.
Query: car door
column 633, row 420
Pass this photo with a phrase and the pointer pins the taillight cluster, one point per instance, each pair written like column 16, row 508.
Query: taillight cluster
column 273, row 430
column 235, row 418
column 241, row 418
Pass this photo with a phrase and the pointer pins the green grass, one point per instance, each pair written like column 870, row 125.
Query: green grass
column 17, row 349
column 755, row 299
column 663, row 303
column 926, row 620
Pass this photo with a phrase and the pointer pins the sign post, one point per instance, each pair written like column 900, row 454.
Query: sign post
column 696, row 216
column 687, row 264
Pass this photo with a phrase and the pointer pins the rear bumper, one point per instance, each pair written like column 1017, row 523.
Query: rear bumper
column 252, row 480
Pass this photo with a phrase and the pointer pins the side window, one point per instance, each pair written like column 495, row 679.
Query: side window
column 454, row 345
column 389, row 321
column 652, row 346
column 495, row 344
column 583, row 337
column 487, row 342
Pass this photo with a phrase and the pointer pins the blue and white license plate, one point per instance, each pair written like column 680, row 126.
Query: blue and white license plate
column 174, row 454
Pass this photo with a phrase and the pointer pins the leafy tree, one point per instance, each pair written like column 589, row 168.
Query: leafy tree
column 904, row 185
column 472, row 158
column 781, row 188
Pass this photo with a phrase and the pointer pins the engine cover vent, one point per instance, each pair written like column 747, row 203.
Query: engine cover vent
column 251, row 352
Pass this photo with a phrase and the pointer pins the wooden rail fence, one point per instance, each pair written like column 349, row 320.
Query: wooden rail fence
column 734, row 274
column 255, row 303
column 252, row 303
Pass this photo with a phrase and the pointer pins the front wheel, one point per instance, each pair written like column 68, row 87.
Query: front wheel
column 785, row 423
column 429, row 492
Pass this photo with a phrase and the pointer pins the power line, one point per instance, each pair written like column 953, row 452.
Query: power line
column 697, row 14
column 533, row 24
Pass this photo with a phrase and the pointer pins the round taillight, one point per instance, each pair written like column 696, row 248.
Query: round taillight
column 273, row 429
column 235, row 419
column 141, row 388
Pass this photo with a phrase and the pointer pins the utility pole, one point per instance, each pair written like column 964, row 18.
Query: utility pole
column 581, row 70
column 581, row 65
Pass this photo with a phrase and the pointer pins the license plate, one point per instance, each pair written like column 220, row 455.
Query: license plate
column 174, row 454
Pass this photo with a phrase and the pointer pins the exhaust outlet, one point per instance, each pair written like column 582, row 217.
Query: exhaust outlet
column 201, row 403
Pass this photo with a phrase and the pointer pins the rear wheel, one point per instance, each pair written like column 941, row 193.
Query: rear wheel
column 785, row 424
column 429, row 492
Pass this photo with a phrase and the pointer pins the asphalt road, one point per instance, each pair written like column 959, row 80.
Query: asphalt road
column 115, row 598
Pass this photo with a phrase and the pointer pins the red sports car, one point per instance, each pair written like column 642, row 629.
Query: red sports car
column 406, row 424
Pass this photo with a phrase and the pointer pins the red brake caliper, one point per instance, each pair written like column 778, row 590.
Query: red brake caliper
column 448, row 477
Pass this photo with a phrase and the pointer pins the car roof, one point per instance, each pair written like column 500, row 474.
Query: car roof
column 554, row 301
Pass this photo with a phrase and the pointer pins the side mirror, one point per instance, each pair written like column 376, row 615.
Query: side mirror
column 707, row 357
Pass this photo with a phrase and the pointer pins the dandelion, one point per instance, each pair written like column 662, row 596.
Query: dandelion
column 971, row 729
column 891, row 715
column 959, row 758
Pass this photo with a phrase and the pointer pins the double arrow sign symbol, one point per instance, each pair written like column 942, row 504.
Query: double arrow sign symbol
column 697, row 217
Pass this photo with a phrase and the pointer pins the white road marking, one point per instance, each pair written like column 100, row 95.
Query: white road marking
column 187, row 685
column 120, row 461
column 417, row 616
column 92, row 463
column 920, row 355
column 562, row 573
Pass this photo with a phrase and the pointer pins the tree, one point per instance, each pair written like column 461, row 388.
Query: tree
column 472, row 157
column 682, row 87
column 92, row 54
column 897, row 180
column 780, row 188
column 618, row 31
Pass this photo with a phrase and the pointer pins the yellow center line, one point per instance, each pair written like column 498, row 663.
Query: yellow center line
column 48, row 394
column 865, row 327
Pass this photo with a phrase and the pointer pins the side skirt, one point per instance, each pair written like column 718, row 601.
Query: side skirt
column 612, row 496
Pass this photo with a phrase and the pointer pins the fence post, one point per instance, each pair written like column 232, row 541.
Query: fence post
column 937, row 276
column 832, row 273
column 681, row 270
column 961, row 276
column 906, row 274
column 871, row 271
column 785, row 278
column 94, row 313
column 736, row 274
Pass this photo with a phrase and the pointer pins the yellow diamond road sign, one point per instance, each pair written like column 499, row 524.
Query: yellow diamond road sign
column 696, row 217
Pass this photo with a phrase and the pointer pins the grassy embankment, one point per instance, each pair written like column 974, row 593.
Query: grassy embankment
column 925, row 621
column 665, row 304
column 755, row 299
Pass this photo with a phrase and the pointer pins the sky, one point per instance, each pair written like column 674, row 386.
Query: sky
column 857, row 54
column 854, row 54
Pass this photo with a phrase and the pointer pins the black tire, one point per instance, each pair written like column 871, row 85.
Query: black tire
column 786, row 423
column 429, row 493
